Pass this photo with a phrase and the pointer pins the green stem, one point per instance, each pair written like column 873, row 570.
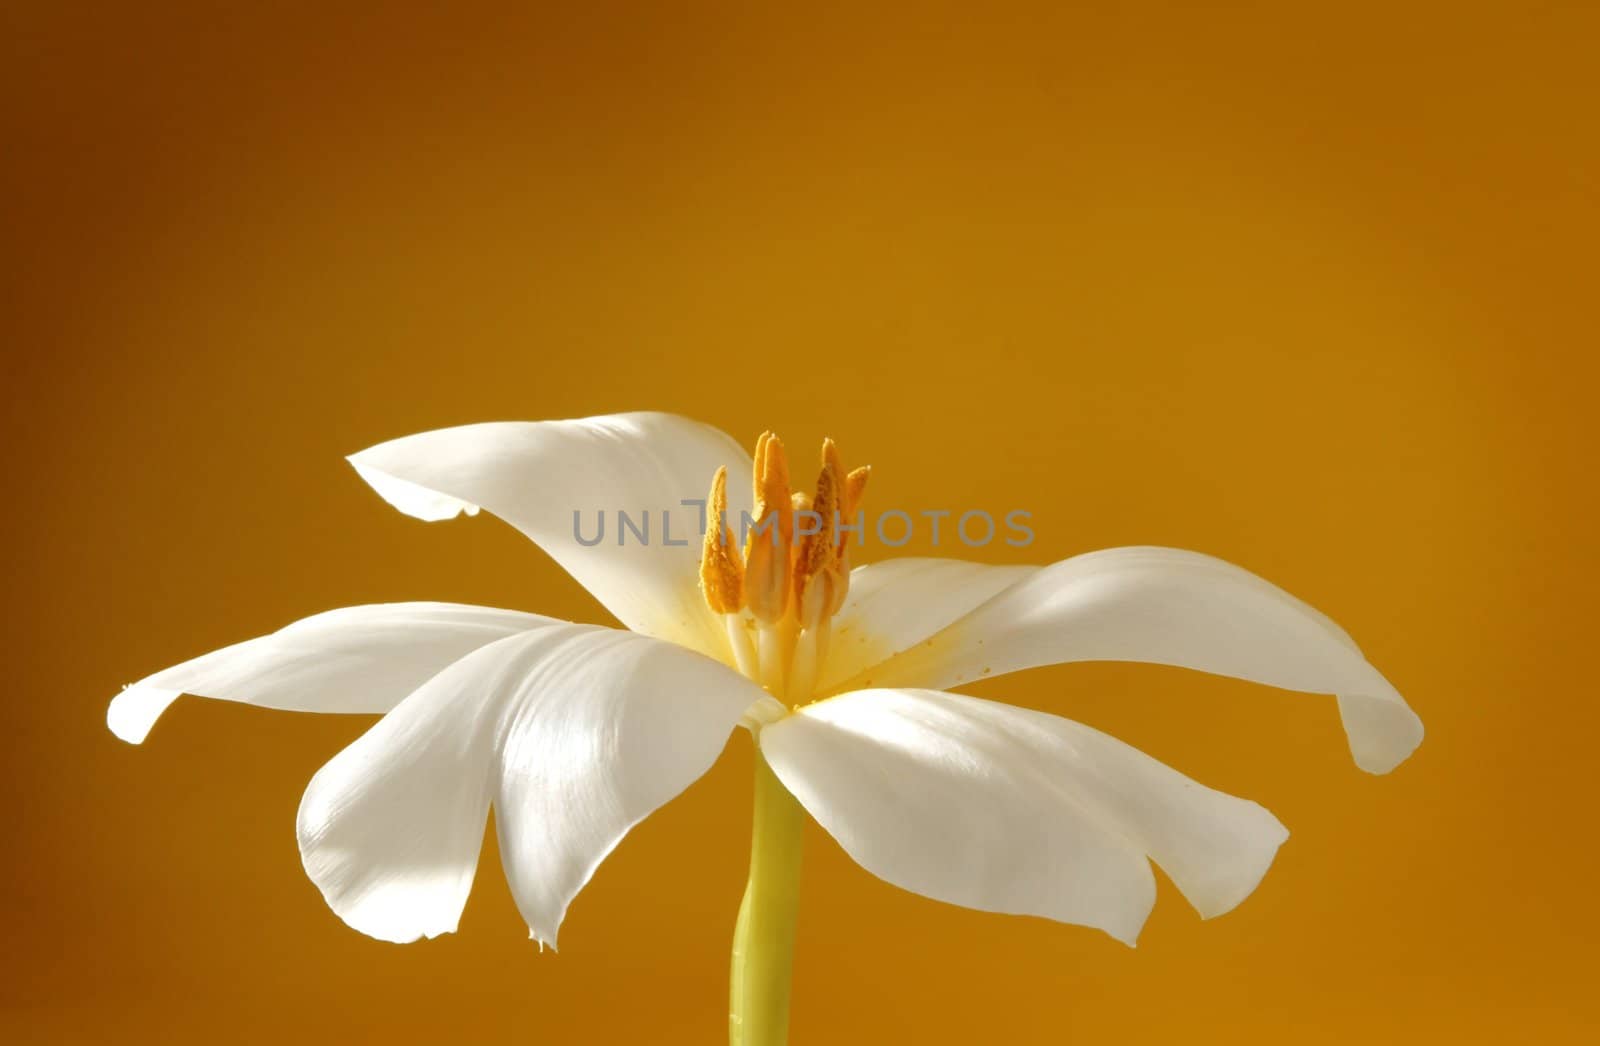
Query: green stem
column 763, row 940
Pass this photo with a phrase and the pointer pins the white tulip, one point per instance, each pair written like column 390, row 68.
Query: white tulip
column 574, row 733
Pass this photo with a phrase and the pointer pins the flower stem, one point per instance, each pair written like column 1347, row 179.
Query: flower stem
column 763, row 939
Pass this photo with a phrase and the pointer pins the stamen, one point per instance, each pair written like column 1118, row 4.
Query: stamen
column 816, row 561
column 744, row 647
column 767, row 546
column 809, row 651
column 774, row 651
column 794, row 573
column 721, row 569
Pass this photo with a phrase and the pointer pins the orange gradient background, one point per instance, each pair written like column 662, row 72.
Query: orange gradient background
column 1310, row 291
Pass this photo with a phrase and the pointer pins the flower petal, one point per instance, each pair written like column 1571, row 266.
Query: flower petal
column 1171, row 607
column 552, row 480
column 898, row 603
column 355, row 659
column 574, row 732
column 920, row 796
column 1007, row 809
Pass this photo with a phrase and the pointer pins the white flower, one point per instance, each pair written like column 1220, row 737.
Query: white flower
column 574, row 733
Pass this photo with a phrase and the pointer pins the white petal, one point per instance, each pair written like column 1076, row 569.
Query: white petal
column 418, row 502
column 898, row 603
column 1007, row 809
column 917, row 795
column 1171, row 607
column 355, row 659
column 539, row 475
column 574, row 732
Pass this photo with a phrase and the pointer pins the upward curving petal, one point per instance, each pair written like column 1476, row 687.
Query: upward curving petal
column 355, row 659
column 1005, row 809
column 552, row 480
column 1171, row 607
column 573, row 732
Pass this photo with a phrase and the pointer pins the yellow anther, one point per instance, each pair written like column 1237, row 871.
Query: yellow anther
column 766, row 550
column 721, row 568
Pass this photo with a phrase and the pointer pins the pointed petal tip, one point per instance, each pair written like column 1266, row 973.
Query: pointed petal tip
column 1125, row 926
column 1127, row 935
column 1233, row 890
column 414, row 500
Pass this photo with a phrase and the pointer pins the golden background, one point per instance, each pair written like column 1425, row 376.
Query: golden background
column 1311, row 291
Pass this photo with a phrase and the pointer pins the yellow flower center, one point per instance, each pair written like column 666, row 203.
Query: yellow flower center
column 779, row 592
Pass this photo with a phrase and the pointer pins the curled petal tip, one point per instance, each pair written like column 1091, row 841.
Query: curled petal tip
column 135, row 710
column 1383, row 732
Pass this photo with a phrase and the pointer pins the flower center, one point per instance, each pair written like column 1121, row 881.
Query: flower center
column 780, row 574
